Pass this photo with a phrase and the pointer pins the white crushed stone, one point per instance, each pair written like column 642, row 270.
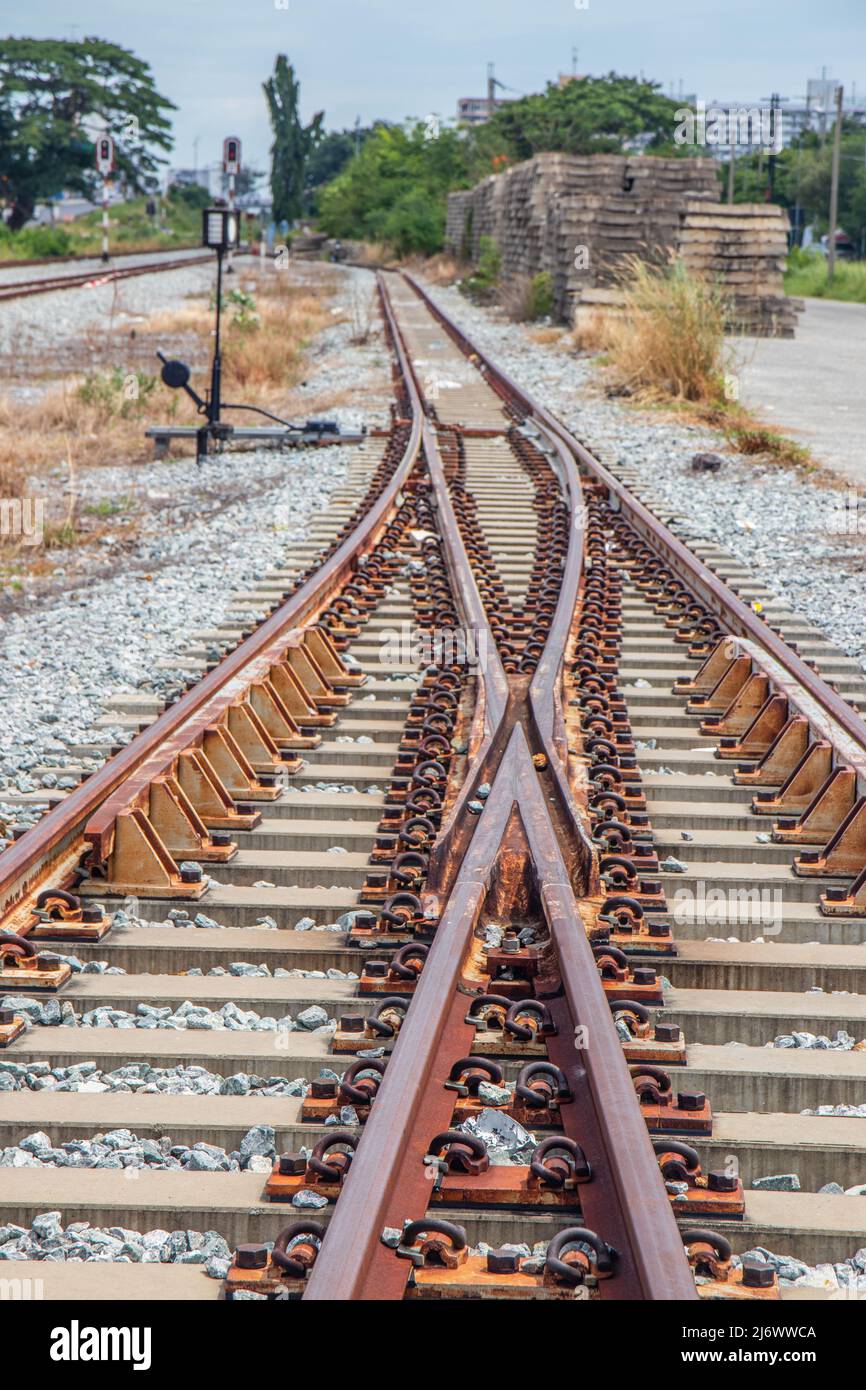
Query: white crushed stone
column 770, row 517
column 43, row 322
column 62, row 658
column 60, row 661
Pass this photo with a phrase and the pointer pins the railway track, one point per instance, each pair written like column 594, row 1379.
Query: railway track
column 22, row 263
column 461, row 791
column 45, row 284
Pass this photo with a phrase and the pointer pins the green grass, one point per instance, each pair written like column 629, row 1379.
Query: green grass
column 806, row 275
column 109, row 507
column 484, row 279
column 748, row 437
column 32, row 243
column 130, row 229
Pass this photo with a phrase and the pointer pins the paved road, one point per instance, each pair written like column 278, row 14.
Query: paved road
column 813, row 386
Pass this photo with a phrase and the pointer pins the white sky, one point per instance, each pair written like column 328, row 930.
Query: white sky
column 394, row 58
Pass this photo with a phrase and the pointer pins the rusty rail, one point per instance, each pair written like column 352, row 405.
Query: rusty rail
column 24, row 863
column 712, row 591
column 21, row 289
column 116, row 255
column 514, row 835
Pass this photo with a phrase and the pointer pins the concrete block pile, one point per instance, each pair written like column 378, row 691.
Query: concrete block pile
column 582, row 217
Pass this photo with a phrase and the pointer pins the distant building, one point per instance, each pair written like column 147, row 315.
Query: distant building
column 477, row 110
column 792, row 117
column 210, row 177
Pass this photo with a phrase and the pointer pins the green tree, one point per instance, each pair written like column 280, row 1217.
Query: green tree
column 803, row 175
column 396, row 189
column 594, row 115
column 293, row 142
column 332, row 154
column 56, row 96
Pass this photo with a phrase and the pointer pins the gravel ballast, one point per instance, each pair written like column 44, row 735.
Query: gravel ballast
column 208, row 531
column 60, row 661
column 44, row 321
column 795, row 534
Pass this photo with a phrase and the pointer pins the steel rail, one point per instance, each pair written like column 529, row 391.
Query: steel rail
column 22, row 289
column 58, row 828
column 712, row 591
column 14, row 264
column 387, row 1180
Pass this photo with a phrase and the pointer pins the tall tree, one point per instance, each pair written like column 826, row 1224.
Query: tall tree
column 56, row 96
column 396, row 189
column 293, row 141
column 591, row 115
column 333, row 153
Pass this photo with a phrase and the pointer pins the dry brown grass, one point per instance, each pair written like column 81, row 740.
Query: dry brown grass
column 514, row 293
column 372, row 254
column 11, row 477
column 262, row 359
column 548, row 337
column 665, row 346
column 195, row 317
column 441, row 269
column 85, row 421
column 37, row 435
column 590, row 330
column 669, row 341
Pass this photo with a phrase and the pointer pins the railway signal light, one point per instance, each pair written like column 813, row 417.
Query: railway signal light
column 231, row 167
column 104, row 165
column 220, row 229
column 105, row 155
column 231, row 155
column 221, row 233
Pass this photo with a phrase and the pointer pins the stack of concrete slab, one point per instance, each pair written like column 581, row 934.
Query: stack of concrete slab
column 743, row 246
column 582, row 218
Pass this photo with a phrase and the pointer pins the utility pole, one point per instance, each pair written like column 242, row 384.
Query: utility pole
column 491, row 90
column 231, row 167
column 104, row 166
column 731, row 163
column 771, row 162
column 834, row 189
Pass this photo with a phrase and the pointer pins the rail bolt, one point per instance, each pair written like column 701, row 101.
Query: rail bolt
column 251, row 1256
column 323, row 1090
column 292, row 1165
column 643, row 975
column 503, row 1262
column 691, row 1100
column 667, row 1032
column 352, row 1023
column 757, row 1275
column 722, row 1182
